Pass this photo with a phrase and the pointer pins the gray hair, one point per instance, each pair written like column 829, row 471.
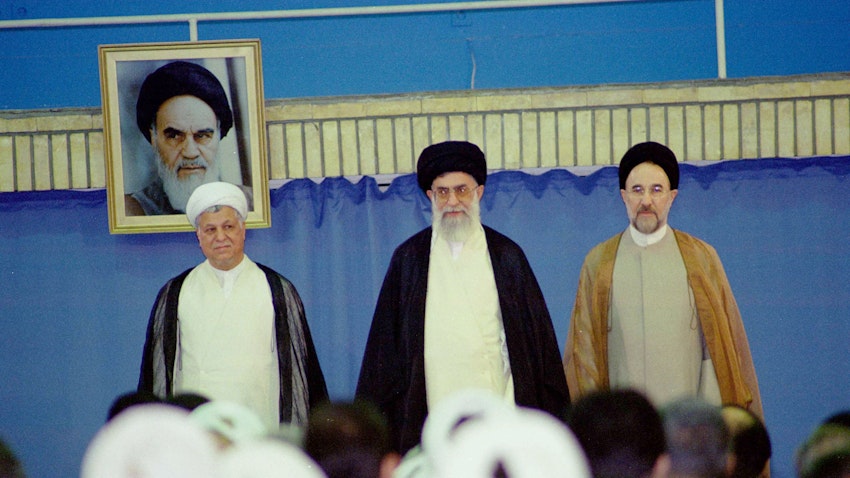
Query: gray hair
column 697, row 438
column 217, row 208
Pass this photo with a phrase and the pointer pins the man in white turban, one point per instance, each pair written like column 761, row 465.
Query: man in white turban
column 232, row 329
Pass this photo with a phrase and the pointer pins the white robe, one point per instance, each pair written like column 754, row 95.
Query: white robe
column 226, row 343
column 465, row 343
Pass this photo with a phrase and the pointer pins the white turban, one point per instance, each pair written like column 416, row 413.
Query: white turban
column 526, row 443
column 208, row 195
column 150, row 441
column 459, row 409
column 267, row 458
column 231, row 420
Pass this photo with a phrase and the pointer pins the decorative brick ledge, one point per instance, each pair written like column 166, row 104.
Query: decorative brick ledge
column 518, row 129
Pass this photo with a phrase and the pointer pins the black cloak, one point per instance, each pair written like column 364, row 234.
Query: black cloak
column 392, row 374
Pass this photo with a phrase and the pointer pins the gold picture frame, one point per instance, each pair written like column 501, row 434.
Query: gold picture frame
column 137, row 175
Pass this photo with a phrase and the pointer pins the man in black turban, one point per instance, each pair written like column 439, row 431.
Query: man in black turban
column 654, row 310
column 459, row 308
column 183, row 111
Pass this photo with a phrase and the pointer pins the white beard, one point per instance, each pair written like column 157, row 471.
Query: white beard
column 178, row 190
column 460, row 228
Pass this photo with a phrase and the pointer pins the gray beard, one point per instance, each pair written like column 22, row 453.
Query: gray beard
column 178, row 190
column 456, row 229
column 646, row 224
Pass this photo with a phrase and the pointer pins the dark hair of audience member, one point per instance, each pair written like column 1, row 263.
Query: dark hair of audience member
column 130, row 399
column 833, row 465
column 825, row 441
column 348, row 440
column 620, row 431
column 187, row 400
column 10, row 466
column 697, row 439
column 749, row 442
column 839, row 418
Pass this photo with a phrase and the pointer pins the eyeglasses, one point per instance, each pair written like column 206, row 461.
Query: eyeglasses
column 655, row 191
column 462, row 193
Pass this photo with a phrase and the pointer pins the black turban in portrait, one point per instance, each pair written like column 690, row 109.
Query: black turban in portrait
column 176, row 79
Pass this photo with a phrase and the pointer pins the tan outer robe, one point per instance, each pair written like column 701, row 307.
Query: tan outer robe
column 586, row 351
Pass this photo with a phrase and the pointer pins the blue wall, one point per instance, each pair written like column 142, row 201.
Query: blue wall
column 553, row 46
column 75, row 300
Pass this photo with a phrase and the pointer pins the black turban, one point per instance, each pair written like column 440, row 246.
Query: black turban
column 448, row 157
column 654, row 153
column 176, row 79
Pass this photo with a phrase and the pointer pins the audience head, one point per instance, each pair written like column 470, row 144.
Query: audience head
column 165, row 441
column 187, row 400
column 10, row 466
column 228, row 422
column 454, row 412
column 839, row 418
column 518, row 443
column 822, row 449
column 267, row 458
column 749, row 442
column 130, row 399
column 833, row 465
column 350, row 440
column 621, row 433
column 150, row 441
column 697, row 439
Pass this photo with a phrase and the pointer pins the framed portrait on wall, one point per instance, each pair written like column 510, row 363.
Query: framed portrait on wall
column 175, row 116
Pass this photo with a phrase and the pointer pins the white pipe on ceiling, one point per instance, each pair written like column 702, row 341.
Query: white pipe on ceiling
column 720, row 31
column 192, row 19
column 299, row 13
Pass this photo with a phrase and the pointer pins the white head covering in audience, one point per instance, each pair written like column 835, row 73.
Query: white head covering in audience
column 525, row 443
column 444, row 420
column 454, row 412
column 267, row 458
column 414, row 464
column 229, row 420
column 150, row 441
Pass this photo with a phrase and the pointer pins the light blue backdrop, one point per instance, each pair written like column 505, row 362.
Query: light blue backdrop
column 75, row 300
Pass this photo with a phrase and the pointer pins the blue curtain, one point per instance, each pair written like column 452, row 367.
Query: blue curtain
column 75, row 300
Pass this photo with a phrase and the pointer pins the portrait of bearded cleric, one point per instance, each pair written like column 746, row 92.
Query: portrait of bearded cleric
column 184, row 114
column 178, row 115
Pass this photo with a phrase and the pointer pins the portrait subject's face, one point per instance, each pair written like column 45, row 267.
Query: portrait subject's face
column 648, row 197
column 221, row 235
column 186, row 140
column 186, row 136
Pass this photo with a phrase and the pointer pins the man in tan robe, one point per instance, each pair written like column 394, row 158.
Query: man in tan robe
column 654, row 310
